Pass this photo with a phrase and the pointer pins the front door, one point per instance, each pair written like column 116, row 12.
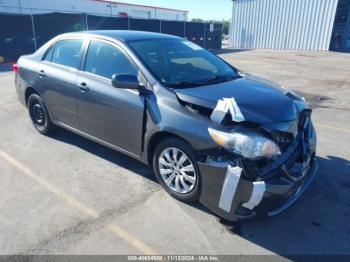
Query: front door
column 110, row 114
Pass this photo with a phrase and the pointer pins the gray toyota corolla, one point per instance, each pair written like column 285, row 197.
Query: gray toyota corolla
column 241, row 145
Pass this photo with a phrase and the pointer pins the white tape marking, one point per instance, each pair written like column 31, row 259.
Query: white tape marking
column 258, row 192
column 224, row 106
column 229, row 188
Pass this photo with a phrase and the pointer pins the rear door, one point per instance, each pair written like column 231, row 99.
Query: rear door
column 57, row 75
column 110, row 114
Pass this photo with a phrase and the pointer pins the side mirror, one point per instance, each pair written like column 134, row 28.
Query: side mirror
column 125, row 81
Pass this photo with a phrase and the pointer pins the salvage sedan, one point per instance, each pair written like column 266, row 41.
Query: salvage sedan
column 241, row 145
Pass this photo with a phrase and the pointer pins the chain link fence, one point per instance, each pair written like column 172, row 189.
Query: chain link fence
column 23, row 34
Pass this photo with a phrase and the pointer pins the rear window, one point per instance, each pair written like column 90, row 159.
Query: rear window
column 67, row 53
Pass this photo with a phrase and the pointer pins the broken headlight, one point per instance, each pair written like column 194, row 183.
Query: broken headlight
column 245, row 143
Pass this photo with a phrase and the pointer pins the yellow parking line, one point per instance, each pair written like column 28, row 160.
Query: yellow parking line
column 126, row 236
column 332, row 127
column 87, row 211
column 131, row 239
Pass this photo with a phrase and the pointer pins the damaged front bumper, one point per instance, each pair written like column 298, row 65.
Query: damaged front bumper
column 228, row 192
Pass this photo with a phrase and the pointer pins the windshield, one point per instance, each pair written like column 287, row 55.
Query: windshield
column 179, row 63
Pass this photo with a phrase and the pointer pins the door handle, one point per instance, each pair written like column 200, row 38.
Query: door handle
column 42, row 73
column 83, row 87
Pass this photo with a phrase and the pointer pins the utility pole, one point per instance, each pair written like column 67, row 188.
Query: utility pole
column 20, row 6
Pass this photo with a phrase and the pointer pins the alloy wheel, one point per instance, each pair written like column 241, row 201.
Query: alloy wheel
column 177, row 170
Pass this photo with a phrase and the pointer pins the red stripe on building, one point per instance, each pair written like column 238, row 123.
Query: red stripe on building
column 146, row 6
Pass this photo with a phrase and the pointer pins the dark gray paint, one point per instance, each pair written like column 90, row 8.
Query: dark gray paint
column 128, row 120
column 112, row 114
column 57, row 86
column 258, row 103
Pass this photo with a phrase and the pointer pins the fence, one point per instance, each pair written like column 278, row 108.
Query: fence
column 23, row 34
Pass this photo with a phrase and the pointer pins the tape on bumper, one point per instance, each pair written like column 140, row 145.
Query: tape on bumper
column 258, row 192
column 229, row 187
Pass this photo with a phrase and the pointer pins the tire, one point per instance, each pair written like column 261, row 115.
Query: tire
column 189, row 185
column 39, row 115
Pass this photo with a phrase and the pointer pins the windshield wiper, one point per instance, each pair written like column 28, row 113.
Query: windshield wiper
column 185, row 84
column 218, row 79
column 194, row 83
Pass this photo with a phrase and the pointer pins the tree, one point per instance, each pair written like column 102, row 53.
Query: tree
column 226, row 25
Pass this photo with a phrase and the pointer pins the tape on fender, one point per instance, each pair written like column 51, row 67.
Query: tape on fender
column 229, row 187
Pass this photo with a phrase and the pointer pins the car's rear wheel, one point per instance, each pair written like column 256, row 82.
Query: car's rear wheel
column 176, row 170
column 39, row 115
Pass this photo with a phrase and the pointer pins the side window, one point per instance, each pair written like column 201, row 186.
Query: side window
column 68, row 53
column 48, row 55
column 105, row 60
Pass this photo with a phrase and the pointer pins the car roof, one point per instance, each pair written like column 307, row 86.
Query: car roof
column 125, row 35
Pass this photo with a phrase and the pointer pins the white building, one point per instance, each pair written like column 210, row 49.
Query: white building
column 290, row 24
column 95, row 7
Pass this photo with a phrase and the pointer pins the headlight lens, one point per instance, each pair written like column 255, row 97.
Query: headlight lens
column 247, row 144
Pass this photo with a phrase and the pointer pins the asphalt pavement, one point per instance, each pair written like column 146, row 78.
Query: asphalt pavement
column 67, row 195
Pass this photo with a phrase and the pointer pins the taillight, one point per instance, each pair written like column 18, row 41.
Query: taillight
column 15, row 68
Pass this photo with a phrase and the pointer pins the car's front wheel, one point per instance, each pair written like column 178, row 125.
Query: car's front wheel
column 176, row 170
column 39, row 115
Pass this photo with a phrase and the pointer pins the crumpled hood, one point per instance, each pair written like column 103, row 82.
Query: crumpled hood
column 258, row 102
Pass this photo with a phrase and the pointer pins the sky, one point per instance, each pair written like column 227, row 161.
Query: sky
column 204, row 9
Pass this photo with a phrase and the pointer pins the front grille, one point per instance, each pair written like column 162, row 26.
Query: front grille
column 293, row 151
